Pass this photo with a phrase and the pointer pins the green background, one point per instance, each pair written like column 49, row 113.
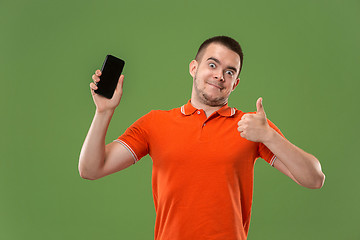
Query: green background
column 302, row 57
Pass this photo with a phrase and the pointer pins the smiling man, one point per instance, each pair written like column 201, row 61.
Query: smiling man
column 203, row 152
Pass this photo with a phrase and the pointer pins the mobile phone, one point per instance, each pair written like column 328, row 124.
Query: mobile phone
column 110, row 73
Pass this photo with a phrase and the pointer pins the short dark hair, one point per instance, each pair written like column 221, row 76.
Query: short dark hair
column 225, row 41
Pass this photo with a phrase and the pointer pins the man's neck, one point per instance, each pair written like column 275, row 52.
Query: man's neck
column 207, row 109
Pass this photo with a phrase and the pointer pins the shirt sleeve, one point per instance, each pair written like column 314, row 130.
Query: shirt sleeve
column 136, row 137
column 265, row 152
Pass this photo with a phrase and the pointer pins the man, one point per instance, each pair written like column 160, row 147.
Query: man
column 203, row 153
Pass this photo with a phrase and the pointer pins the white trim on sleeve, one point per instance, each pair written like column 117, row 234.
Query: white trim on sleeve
column 128, row 148
column 272, row 161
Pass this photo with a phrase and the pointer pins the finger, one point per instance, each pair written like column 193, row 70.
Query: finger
column 241, row 129
column 260, row 107
column 247, row 116
column 244, row 117
column 121, row 80
column 243, row 134
column 95, row 78
column 98, row 72
column 241, row 122
column 93, row 86
column 120, row 83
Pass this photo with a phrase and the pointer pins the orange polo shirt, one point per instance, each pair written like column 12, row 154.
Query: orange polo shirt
column 202, row 175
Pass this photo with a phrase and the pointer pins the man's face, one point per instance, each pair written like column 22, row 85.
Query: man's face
column 215, row 75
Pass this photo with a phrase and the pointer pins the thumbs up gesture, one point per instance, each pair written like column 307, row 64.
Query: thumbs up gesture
column 254, row 127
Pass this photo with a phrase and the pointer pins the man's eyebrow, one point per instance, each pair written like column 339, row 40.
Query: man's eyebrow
column 214, row 59
column 217, row 61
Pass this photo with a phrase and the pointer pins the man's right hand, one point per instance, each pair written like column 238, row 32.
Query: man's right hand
column 104, row 104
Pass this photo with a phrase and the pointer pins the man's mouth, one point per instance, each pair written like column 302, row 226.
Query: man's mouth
column 215, row 85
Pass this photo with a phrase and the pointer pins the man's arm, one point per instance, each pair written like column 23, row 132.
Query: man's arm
column 303, row 167
column 282, row 168
column 97, row 160
column 279, row 165
column 299, row 165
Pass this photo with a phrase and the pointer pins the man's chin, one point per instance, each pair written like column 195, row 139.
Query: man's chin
column 213, row 101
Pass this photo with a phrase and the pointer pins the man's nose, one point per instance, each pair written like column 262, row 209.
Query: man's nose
column 219, row 76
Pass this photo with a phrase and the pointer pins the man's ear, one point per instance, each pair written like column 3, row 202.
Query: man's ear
column 236, row 83
column 192, row 67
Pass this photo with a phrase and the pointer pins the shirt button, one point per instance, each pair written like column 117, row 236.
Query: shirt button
column 198, row 112
column 204, row 124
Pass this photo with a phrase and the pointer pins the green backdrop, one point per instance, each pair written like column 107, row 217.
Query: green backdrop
column 302, row 57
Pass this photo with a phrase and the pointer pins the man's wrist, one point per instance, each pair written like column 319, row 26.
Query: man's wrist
column 106, row 112
column 269, row 136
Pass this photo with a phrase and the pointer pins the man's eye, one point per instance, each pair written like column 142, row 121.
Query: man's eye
column 212, row 65
column 230, row 72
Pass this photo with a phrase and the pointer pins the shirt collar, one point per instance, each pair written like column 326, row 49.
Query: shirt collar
column 225, row 110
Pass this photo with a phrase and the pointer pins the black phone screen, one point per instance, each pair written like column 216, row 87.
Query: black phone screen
column 110, row 73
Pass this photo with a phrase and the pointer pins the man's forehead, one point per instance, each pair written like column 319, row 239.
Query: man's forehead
column 222, row 53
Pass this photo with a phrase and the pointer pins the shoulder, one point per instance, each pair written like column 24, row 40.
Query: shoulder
column 164, row 113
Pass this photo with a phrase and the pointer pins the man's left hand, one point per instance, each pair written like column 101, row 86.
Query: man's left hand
column 254, row 127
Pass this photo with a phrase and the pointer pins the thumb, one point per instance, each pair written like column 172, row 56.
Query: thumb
column 260, row 107
column 120, row 82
